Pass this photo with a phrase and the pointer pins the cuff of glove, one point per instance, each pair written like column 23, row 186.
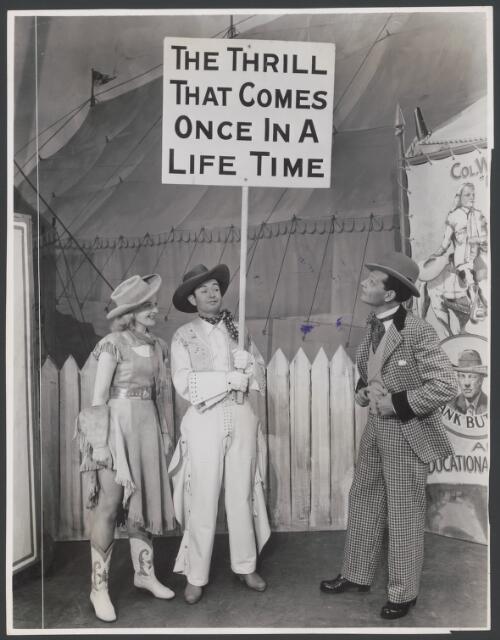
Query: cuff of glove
column 402, row 406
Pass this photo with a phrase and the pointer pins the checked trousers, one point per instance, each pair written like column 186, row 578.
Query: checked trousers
column 388, row 491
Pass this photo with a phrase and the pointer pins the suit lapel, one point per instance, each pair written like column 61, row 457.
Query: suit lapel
column 362, row 356
column 394, row 338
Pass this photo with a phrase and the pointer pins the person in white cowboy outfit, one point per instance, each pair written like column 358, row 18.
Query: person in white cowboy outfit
column 405, row 378
column 219, row 435
column 124, row 440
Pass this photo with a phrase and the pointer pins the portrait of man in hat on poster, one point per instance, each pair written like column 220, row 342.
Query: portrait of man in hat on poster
column 471, row 371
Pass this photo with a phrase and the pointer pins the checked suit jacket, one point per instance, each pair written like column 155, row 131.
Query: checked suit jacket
column 420, row 378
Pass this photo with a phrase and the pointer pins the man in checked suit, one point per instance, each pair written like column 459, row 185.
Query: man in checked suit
column 405, row 377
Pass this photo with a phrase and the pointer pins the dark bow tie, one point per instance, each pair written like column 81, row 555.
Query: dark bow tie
column 377, row 328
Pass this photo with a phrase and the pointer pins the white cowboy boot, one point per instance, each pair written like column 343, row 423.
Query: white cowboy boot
column 144, row 576
column 99, row 595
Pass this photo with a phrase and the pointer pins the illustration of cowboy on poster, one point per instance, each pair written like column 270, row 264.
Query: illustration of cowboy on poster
column 449, row 212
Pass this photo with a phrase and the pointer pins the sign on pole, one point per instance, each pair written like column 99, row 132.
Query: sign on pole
column 247, row 112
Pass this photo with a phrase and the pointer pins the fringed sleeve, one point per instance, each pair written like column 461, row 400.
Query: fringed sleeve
column 109, row 346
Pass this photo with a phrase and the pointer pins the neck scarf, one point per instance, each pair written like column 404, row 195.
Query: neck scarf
column 227, row 317
column 143, row 336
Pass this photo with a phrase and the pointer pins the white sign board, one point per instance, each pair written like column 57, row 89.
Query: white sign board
column 247, row 112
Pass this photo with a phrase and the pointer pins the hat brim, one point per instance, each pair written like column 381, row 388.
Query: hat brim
column 392, row 272
column 180, row 297
column 482, row 370
column 154, row 282
column 432, row 267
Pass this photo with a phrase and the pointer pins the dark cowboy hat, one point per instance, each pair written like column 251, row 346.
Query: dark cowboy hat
column 132, row 293
column 469, row 361
column 400, row 267
column 196, row 277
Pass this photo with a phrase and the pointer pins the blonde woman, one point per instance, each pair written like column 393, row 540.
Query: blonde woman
column 126, row 441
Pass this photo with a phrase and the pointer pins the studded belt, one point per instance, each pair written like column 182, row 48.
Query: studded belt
column 139, row 393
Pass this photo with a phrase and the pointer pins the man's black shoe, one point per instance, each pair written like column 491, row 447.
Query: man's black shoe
column 341, row 584
column 393, row 610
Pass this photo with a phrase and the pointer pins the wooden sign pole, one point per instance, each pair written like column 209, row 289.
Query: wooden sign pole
column 243, row 275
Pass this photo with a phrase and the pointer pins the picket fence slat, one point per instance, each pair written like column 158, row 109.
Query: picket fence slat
column 49, row 409
column 320, row 442
column 278, row 403
column 308, row 417
column 300, row 415
column 71, row 494
column 342, row 435
column 87, row 380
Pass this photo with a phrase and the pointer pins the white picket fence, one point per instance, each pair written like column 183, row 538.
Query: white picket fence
column 308, row 416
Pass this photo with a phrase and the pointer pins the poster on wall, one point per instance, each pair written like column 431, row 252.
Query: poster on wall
column 449, row 222
column 466, row 417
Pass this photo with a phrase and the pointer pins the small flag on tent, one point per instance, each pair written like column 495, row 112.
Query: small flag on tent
column 99, row 78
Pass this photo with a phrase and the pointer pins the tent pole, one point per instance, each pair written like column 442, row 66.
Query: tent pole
column 399, row 131
column 243, row 275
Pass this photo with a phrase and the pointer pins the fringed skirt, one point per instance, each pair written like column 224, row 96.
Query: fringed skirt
column 136, row 446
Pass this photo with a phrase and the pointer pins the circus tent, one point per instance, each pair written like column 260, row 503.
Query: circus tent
column 306, row 247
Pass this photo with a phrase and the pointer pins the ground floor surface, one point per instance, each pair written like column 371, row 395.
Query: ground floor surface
column 453, row 589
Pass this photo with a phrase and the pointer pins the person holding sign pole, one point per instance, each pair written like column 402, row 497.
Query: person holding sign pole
column 220, row 435
column 405, row 377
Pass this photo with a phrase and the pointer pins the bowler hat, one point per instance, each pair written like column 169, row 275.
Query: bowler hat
column 400, row 267
column 469, row 361
column 193, row 279
column 133, row 292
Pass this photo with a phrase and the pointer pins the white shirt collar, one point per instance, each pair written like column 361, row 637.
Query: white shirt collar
column 208, row 327
column 386, row 314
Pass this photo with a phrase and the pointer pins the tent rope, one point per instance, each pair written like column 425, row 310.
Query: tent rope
column 66, row 285
column 97, row 277
column 330, row 234
column 77, row 108
column 348, row 86
column 72, row 237
column 183, row 274
column 359, row 280
column 70, row 305
column 124, row 276
column 114, row 173
column 37, row 151
column 258, row 236
column 253, row 249
column 162, row 251
column 292, row 226
column 78, row 304
column 403, row 187
column 229, row 233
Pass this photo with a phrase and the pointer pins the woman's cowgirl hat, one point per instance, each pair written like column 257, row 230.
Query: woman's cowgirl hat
column 132, row 293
